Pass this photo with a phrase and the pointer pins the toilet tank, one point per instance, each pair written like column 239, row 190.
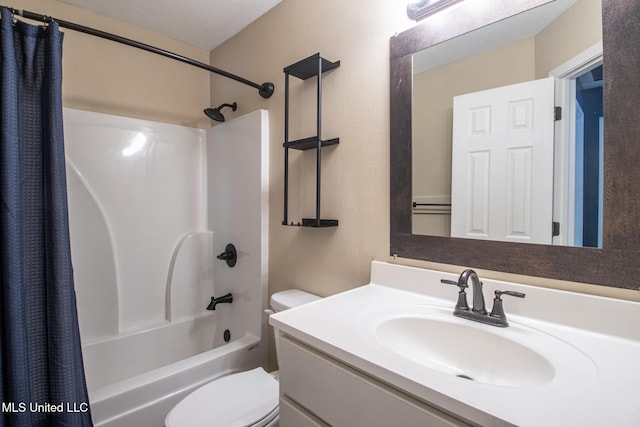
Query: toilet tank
column 284, row 300
column 290, row 298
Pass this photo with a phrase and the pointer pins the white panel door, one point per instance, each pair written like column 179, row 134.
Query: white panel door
column 502, row 171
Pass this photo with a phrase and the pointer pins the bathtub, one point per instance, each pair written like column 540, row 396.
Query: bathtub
column 150, row 207
column 134, row 379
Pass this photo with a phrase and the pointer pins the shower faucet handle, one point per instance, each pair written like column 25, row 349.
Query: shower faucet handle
column 230, row 255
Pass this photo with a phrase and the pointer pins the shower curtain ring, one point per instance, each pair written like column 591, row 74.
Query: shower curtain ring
column 14, row 12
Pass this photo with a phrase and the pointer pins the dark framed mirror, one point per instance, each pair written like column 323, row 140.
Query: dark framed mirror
column 617, row 262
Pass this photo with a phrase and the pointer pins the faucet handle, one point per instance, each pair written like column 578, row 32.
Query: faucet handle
column 498, row 311
column 511, row 293
column 452, row 282
column 462, row 295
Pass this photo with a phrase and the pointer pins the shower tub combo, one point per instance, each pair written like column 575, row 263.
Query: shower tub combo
column 150, row 207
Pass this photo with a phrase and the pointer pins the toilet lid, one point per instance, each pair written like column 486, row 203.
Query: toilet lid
column 240, row 399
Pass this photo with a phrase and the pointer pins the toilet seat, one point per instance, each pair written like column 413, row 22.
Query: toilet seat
column 243, row 399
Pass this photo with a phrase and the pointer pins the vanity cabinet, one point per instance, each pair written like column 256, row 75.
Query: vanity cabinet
column 317, row 390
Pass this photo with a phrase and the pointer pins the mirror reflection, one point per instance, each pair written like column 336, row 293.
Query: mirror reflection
column 493, row 157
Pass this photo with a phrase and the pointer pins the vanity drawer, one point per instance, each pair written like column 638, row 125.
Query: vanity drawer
column 342, row 397
column 292, row 415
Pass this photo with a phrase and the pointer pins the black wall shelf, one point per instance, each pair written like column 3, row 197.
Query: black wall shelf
column 309, row 67
column 310, row 143
column 312, row 222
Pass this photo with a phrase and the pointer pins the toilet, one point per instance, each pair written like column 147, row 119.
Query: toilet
column 248, row 398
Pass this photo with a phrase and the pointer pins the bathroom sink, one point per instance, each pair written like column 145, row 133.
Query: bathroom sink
column 465, row 352
column 517, row 356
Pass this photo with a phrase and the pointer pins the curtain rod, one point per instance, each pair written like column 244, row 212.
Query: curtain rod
column 265, row 89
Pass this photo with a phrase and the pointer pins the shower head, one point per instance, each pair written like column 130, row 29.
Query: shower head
column 215, row 114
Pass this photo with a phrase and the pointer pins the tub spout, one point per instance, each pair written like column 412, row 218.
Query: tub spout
column 228, row 299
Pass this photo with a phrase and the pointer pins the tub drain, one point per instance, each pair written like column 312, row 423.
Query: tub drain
column 466, row 377
column 227, row 335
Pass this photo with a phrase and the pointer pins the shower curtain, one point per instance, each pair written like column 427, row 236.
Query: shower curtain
column 41, row 371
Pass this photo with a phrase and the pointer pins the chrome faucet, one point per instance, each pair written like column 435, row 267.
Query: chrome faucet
column 478, row 312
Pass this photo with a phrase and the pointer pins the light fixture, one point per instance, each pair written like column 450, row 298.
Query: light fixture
column 421, row 9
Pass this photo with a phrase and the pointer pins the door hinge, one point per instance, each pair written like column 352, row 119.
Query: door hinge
column 557, row 113
column 555, row 228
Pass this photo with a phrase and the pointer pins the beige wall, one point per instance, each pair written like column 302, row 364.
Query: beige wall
column 104, row 76
column 356, row 108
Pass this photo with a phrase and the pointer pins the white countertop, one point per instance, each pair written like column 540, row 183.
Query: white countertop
column 605, row 393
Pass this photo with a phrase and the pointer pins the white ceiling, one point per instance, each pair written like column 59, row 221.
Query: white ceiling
column 201, row 23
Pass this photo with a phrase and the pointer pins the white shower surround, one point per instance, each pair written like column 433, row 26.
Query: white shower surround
column 150, row 205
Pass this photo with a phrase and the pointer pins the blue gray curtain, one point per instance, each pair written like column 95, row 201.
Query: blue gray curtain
column 41, row 369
